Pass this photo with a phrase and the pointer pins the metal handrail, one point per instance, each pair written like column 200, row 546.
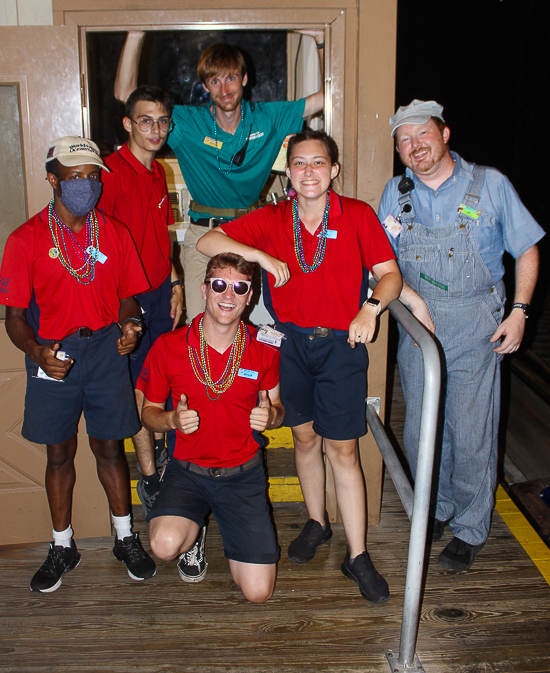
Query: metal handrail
column 417, row 502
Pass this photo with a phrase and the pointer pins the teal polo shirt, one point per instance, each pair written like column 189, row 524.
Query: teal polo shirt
column 192, row 140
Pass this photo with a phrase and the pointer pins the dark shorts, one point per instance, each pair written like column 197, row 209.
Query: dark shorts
column 98, row 384
column 324, row 380
column 157, row 321
column 238, row 503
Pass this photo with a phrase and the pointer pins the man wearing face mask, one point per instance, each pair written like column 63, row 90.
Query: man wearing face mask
column 70, row 275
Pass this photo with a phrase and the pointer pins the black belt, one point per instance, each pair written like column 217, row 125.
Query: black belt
column 319, row 331
column 209, row 222
column 83, row 333
column 221, row 471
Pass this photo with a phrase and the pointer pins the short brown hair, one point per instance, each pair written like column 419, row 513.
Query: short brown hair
column 219, row 59
column 309, row 134
column 439, row 123
column 230, row 260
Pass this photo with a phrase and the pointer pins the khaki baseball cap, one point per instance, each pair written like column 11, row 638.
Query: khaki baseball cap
column 417, row 112
column 75, row 151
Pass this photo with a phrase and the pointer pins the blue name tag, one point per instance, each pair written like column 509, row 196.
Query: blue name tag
column 101, row 258
column 331, row 233
column 248, row 374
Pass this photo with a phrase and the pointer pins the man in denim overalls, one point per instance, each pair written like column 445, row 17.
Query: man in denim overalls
column 451, row 223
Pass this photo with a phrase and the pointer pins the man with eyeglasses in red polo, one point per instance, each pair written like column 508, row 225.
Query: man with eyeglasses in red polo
column 135, row 192
column 224, row 386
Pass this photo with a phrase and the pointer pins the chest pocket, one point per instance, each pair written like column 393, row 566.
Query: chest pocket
column 437, row 270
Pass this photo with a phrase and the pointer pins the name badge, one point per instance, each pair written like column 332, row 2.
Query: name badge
column 248, row 374
column 212, row 143
column 470, row 212
column 331, row 233
column 392, row 226
column 101, row 258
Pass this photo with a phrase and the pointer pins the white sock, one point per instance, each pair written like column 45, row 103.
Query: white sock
column 63, row 538
column 123, row 526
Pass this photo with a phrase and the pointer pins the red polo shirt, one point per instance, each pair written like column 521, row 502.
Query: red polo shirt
column 224, row 437
column 64, row 303
column 139, row 198
column 330, row 295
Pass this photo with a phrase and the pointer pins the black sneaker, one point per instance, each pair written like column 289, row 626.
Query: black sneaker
column 140, row 565
column 146, row 500
column 371, row 584
column 459, row 555
column 58, row 562
column 438, row 529
column 303, row 548
column 192, row 565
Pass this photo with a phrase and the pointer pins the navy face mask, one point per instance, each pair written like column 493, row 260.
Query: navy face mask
column 80, row 196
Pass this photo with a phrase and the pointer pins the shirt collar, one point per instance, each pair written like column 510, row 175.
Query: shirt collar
column 136, row 164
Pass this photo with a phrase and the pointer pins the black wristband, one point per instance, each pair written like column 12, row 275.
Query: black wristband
column 177, row 282
column 320, row 45
column 524, row 307
column 137, row 321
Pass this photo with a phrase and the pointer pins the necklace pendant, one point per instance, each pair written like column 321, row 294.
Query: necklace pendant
column 53, row 253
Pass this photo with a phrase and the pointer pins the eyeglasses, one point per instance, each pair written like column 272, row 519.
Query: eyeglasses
column 147, row 124
column 219, row 285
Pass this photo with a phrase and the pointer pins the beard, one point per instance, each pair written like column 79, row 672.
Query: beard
column 435, row 157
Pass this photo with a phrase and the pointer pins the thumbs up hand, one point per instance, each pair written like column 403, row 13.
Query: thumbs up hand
column 260, row 416
column 185, row 420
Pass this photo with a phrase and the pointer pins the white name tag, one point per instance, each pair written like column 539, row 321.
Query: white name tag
column 101, row 258
column 248, row 374
column 269, row 335
column 41, row 374
column 392, row 226
column 331, row 233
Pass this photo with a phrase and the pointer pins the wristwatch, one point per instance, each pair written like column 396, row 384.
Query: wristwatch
column 375, row 303
column 524, row 307
column 177, row 282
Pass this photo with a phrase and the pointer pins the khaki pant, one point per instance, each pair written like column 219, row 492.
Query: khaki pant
column 194, row 269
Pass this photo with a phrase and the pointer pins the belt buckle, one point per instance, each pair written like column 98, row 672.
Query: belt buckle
column 215, row 471
column 215, row 222
column 84, row 332
column 321, row 331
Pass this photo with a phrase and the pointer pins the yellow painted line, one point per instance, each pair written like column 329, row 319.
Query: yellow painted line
column 280, row 438
column 135, row 496
column 285, row 489
column 524, row 532
column 129, row 446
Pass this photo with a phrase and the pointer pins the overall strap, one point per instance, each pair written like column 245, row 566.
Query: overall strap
column 468, row 208
column 406, row 214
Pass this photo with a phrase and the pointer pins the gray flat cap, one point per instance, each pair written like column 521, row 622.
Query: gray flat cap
column 417, row 112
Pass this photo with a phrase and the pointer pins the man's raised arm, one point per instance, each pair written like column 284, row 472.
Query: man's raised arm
column 127, row 71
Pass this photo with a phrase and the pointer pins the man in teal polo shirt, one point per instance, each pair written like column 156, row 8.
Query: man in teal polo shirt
column 226, row 149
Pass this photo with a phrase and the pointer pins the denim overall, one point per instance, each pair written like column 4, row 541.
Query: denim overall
column 443, row 265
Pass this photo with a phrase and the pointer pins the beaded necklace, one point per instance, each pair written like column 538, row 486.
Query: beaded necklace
column 86, row 273
column 298, row 243
column 222, row 171
column 201, row 364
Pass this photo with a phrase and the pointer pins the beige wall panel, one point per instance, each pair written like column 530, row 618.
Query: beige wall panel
column 23, row 501
column 52, row 102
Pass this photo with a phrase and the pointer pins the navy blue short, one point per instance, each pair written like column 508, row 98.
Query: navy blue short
column 238, row 503
column 324, row 380
column 98, row 384
column 157, row 321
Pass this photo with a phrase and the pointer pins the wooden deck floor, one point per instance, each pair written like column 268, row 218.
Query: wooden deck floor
column 494, row 618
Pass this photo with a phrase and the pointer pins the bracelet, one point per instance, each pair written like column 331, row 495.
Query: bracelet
column 320, row 45
column 177, row 282
column 137, row 321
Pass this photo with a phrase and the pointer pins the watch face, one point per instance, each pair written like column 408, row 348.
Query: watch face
column 373, row 302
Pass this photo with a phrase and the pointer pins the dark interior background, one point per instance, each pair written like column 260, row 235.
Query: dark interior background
column 487, row 63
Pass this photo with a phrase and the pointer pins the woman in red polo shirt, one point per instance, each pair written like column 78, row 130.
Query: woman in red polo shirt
column 314, row 250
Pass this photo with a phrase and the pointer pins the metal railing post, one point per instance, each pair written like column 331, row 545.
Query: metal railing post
column 423, row 480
